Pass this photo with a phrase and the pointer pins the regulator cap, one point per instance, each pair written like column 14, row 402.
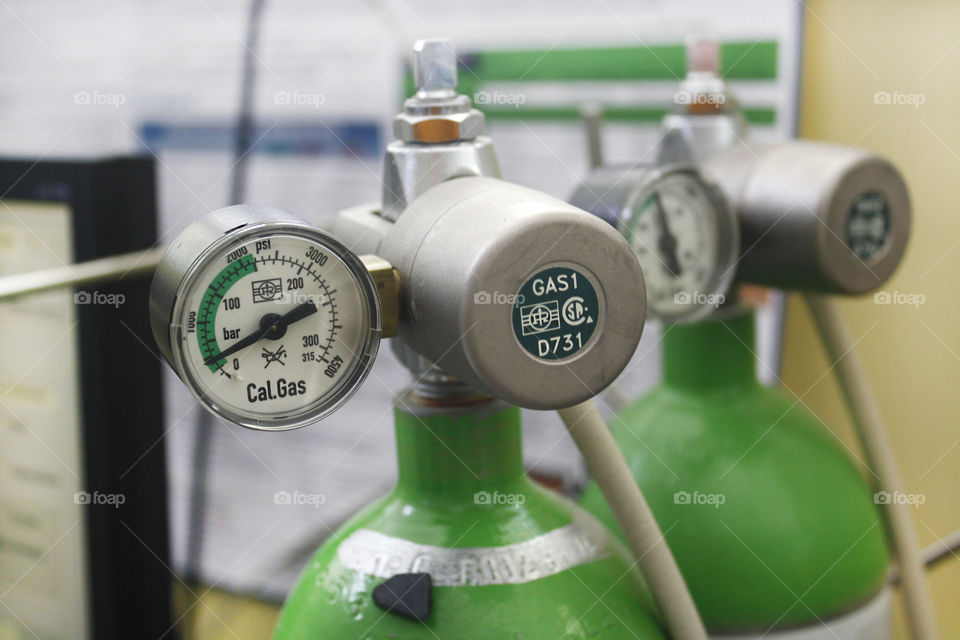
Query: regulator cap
column 515, row 292
column 815, row 216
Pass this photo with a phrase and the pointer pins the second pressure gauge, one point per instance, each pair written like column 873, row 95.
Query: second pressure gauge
column 270, row 322
column 680, row 227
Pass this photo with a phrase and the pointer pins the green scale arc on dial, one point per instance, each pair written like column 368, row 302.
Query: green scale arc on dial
column 210, row 303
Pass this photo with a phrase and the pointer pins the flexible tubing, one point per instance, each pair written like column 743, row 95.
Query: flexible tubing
column 868, row 422
column 630, row 508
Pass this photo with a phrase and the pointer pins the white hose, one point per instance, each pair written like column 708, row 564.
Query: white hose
column 873, row 438
column 633, row 514
column 941, row 550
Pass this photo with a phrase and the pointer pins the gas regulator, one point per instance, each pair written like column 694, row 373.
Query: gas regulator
column 273, row 324
column 718, row 208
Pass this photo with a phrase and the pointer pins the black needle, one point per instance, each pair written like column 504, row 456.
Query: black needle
column 667, row 242
column 269, row 324
column 299, row 312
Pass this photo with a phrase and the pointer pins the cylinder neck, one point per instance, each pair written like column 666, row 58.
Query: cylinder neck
column 712, row 354
column 457, row 450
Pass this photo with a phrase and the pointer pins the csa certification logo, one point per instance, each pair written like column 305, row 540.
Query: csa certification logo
column 559, row 313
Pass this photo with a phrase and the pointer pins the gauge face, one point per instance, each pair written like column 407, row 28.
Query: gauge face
column 274, row 327
column 684, row 240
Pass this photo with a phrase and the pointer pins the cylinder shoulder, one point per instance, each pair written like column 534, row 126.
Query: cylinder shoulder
column 531, row 571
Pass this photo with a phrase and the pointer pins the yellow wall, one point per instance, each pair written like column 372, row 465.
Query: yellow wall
column 852, row 49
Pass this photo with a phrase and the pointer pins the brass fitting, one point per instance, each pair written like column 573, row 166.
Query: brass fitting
column 387, row 280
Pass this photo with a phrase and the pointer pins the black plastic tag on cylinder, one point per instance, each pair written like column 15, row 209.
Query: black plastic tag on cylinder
column 406, row 594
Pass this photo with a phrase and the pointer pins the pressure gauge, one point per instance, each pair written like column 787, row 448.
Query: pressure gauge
column 680, row 227
column 270, row 322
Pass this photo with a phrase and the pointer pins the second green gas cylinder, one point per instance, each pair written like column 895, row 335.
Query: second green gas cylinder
column 770, row 520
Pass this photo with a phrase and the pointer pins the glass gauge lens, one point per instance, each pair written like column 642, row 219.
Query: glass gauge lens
column 683, row 239
column 275, row 326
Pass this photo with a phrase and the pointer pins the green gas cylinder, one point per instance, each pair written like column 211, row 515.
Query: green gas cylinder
column 506, row 558
column 771, row 523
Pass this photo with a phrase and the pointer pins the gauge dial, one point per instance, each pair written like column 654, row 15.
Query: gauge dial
column 684, row 238
column 274, row 325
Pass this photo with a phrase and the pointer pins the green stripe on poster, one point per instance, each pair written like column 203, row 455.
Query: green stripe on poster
column 758, row 116
column 614, row 63
column 740, row 61
column 749, row 60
